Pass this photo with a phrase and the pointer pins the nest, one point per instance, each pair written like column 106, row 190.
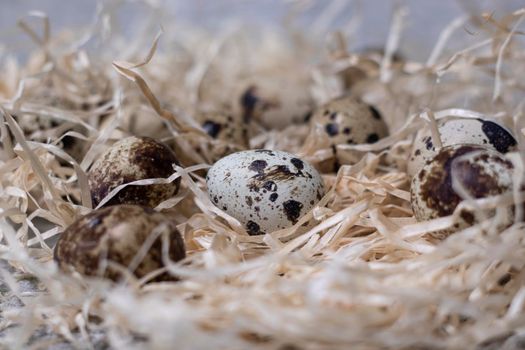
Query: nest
column 363, row 275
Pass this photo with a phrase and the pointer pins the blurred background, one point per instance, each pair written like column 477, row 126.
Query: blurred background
column 369, row 20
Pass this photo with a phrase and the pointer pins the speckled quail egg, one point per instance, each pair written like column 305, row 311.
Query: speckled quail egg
column 276, row 101
column 131, row 159
column 460, row 131
column 117, row 233
column 43, row 129
column 482, row 172
column 224, row 126
column 265, row 190
column 348, row 120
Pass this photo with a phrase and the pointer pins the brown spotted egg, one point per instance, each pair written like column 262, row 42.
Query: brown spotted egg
column 265, row 190
column 224, row 126
column 348, row 120
column 481, row 171
column 117, row 233
column 460, row 131
column 132, row 159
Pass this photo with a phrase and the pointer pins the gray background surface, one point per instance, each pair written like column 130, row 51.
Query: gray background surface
column 422, row 27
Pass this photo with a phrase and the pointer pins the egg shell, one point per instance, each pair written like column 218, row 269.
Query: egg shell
column 224, row 126
column 265, row 190
column 130, row 159
column 483, row 132
column 42, row 129
column 276, row 100
column 348, row 120
column 482, row 171
column 117, row 233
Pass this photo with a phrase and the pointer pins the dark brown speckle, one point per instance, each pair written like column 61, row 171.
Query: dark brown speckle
column 372, row 138
column 428, row 143
column 375, row 112
column 331, row 129
column 270, row 186
column 292, row 210
column 297, row 163
column 500, row 138
column 253, row 228
column 212, row 128
column 258, row 166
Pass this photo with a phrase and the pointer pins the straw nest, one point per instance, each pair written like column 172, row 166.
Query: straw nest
column 363, row 275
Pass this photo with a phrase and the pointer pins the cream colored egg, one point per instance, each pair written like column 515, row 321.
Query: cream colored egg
column 348, row 120
column 265, row 190
column 224, row 126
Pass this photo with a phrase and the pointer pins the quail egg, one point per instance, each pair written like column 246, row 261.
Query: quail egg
column 276, row 101
column 131, row 159
column 460, row 131
column 43, row 129
column 265, row 190
column 481, row 171
column 348, row 120
column 117, row 233
column 224, row 126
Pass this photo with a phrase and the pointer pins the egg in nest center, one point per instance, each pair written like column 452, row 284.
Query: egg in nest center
column 265, row 190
